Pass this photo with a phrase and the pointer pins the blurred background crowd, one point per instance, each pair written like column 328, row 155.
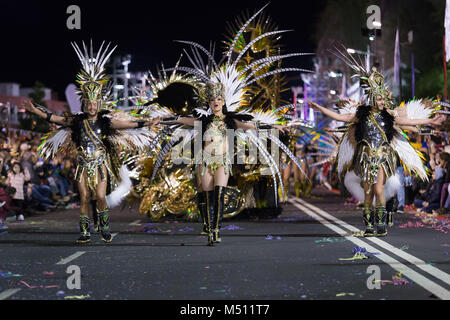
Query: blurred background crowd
column 29, row 184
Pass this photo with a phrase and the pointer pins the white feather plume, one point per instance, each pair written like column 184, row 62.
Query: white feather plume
column 409, row 156
column 123, row 189
column 417, row 110
column 353, row 184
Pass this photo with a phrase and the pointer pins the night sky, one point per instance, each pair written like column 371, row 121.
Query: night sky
column 35, row 42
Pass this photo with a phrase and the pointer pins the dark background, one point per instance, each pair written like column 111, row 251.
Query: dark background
column 35, row 42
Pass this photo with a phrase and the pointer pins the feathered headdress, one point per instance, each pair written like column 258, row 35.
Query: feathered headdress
column 371, row 81
column 235, row 82
column 92, row 78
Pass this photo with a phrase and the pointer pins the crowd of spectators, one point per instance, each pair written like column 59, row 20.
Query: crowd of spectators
column 431, row 196
column 29, row 184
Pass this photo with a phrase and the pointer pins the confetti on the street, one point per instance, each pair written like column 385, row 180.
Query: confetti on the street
column 232, row 227
column 8, row 274
column 397, row 280
column 269, row 237
column 41, row 286
column 331, row 240
column 77, row 297
column 186, row 229
column 363, row 251
column 357, row 256
column 342, row 294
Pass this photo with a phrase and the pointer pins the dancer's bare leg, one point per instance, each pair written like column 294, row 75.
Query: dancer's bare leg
column 84, row 196
column 221, row 177
column 379, row 188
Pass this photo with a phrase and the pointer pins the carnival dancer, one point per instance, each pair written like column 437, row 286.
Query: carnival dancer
column 368, row 151
column 96, row 136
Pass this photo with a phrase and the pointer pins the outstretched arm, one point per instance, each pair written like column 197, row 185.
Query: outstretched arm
column 46, row 114
column 333, row 115
column 251, row 126
column 437, row 120
column 130, row 124
column 189, row 121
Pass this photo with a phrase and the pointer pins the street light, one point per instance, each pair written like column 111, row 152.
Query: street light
column 377, row 24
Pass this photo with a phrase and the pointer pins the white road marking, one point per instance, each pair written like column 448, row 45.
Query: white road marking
column 8, row 293
column 441, row 275
column 113, row 235
column 426, row 283
column 135, row 223
column 72, row 257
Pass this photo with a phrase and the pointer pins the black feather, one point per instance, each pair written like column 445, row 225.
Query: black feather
column 179, row 96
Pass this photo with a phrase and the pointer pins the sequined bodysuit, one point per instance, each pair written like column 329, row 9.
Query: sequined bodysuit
column 91, row 154
column 374, row 151
column 215, row 151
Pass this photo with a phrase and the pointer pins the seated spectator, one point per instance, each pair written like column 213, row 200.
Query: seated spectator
column 444, row 158
column 431, row 199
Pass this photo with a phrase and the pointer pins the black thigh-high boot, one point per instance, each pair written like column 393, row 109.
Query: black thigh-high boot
column 210, row 214
column 201, row 204
column 369, row 221
column 85, row 235
column 103, row 217
column 380, row 219
column 218, row 210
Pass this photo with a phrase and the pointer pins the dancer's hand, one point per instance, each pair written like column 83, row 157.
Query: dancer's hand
column 27, row 105
column 314, row 105
column 439, row 119
column 153, row 122
column 284, row 129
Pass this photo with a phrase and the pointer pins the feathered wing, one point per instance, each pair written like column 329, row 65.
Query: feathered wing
column 136, row 138
column 417, row 109
column 346, row 151
column 273, row 168
column 174, row 138
column 410, row 157
column 55, row 142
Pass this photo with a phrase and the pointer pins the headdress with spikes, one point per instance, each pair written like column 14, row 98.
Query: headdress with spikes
column 371, row 81
column 92, row 78
column 235, row 82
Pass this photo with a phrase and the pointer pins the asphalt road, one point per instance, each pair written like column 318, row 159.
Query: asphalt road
column 296, row 256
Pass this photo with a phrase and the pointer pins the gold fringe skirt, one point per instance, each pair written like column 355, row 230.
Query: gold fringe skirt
column 91, row 165
column 368, row 161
